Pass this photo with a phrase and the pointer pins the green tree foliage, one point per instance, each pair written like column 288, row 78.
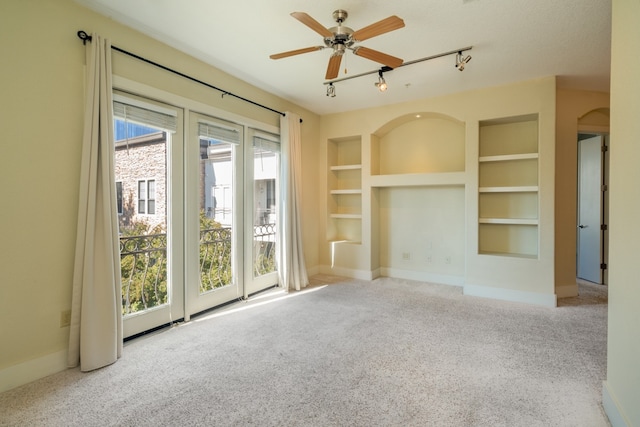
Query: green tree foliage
column 143, row 266
column 215, row 254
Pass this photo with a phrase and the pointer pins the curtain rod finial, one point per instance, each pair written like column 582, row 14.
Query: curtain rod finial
column 84, row 36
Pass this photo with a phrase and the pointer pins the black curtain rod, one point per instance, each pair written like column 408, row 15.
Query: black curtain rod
column 87, row 38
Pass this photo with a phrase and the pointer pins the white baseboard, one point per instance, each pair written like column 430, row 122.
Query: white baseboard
column 546, row 300
column 23, row 373
column 612, row 408
column 347, row 272
column 567, row 291
column 422, row 276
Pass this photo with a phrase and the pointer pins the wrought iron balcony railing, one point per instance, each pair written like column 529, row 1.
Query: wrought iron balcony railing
column 143, row 261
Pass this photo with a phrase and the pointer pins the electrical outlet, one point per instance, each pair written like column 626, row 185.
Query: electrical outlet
column 406, row 256
column 447, row 259
column 428, row 259
column 65, row 318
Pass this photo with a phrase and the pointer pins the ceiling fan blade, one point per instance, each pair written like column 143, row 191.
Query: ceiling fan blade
column 374, row 55
column 312, row 23
column 388, row 24
column 334, row 66
column 295, row 52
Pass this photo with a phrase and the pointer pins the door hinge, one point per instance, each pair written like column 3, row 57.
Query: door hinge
column 605, row 148
column 604, row 187
column 603, row 227
column 603, row 266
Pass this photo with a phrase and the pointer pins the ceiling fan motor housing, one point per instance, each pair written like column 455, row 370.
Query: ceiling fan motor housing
column 342, row 36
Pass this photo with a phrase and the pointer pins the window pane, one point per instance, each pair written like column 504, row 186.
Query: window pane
column 143, row 237
column 151, row 197
column 216, row 213
column 265, row 174
column 142, row 197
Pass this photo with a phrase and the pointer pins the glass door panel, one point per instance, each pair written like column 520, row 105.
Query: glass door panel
column 262, row 198
column 215, row 212
column 148, row 147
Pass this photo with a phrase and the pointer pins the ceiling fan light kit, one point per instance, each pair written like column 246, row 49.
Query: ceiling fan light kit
column 342, row 38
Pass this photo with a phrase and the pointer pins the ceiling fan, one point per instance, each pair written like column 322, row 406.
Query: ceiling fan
column 341, row 38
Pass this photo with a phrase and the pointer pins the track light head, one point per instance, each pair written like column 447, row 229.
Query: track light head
column 331, row 90
column 461, row 61
column 381, row 84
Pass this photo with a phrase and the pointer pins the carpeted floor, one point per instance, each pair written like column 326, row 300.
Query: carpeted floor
column 346, row 352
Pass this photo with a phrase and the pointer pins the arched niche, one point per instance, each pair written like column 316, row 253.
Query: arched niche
column 418, row 143
column 594, row 120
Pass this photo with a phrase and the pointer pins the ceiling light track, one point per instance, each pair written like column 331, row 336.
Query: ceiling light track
column 382, row 85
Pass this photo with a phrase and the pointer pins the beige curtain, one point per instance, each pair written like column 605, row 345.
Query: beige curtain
column 291, row 266
column 95, row 338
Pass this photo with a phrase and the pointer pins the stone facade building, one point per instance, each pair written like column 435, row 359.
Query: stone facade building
column 141, row 180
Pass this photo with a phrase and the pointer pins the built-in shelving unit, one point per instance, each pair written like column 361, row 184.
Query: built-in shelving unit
column 508, row 187
column 344, row 158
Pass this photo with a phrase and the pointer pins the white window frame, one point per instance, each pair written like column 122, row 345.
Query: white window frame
column 146, row 199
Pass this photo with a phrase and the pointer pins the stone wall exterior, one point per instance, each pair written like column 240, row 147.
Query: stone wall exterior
column 142, row 158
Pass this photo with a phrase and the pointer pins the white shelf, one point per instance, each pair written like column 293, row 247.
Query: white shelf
column 347, row 191
column 513, row 221
column 345, row 216
column 508, row 157
column 509, row 254
column 418, row 179
column 522, row 189
column 345, row 167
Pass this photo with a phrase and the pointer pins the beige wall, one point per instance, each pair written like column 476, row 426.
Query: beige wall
column 41, row 82
column 622, row 387
column 571, row 107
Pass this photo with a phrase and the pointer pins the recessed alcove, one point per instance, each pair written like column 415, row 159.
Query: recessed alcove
column 418, row 214
column 418, row 143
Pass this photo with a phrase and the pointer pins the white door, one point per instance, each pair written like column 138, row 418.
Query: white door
column 215, row 213
column 261, row 202
column 590, row 190
column 148, row 172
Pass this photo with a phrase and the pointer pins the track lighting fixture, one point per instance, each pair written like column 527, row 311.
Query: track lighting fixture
column 381, row 84
column 331, row 90
column 462, row 61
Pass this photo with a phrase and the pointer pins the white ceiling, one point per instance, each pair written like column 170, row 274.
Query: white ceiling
column 513, row 40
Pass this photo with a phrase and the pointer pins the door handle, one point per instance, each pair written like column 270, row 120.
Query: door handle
column 582, row 226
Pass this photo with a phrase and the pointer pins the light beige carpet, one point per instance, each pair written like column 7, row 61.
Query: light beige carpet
column 350, row 353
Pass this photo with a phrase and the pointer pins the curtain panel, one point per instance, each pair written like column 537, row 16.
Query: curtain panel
column 95, row 337
column 292, row 270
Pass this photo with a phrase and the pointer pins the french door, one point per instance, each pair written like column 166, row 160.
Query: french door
column 197, row 211
column 148, row 171
column 215, row 213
